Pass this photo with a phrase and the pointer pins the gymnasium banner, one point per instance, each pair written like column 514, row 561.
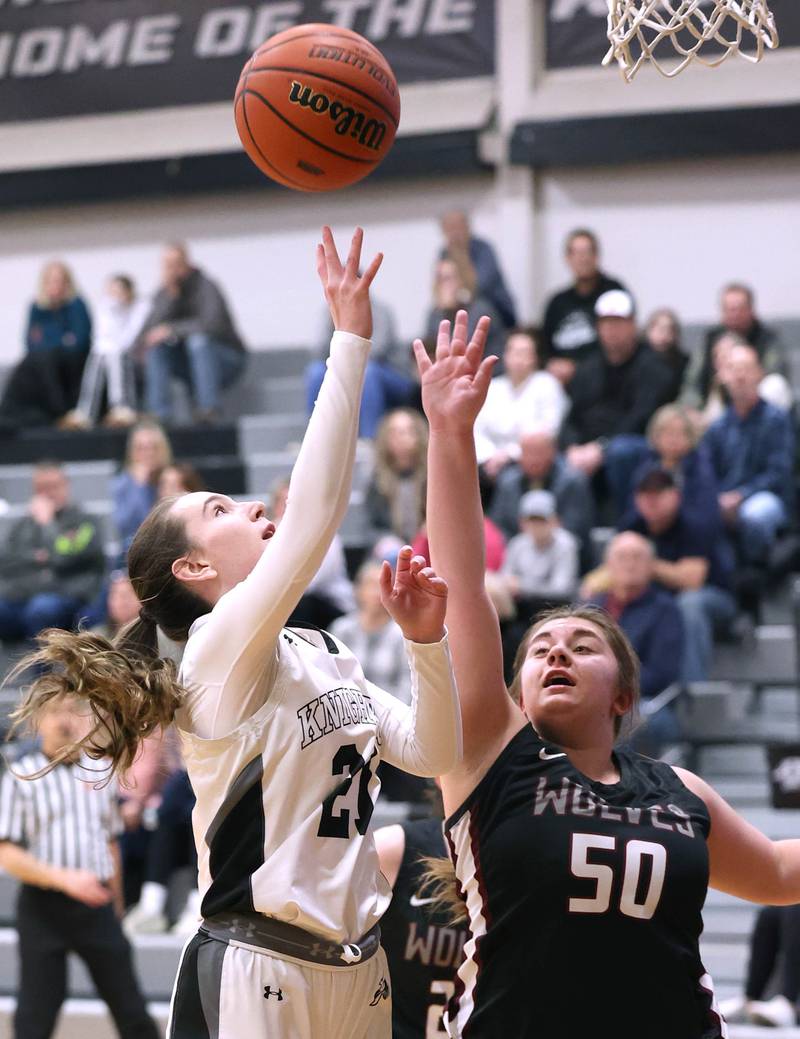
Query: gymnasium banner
column 576, row 30
column 80, row 57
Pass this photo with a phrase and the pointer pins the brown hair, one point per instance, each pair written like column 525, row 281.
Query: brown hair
column 149, row 425
column 189, row 476
column 666, row 413
column 130, row 689
column 42, row 299
column 439, row 877
column 386, row 476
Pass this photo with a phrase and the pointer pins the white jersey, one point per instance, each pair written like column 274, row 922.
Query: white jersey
column 282, row 732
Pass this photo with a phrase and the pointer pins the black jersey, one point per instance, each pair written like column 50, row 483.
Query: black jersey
column 584, row 899
column 423, row 949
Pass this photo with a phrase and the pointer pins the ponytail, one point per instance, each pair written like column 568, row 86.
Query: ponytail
column 131, row 691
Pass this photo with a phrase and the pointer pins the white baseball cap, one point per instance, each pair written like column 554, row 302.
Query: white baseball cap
column 615, row 303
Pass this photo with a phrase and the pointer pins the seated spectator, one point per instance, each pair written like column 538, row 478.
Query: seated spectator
column 773, row 388
column 395, row 499
column 52, row 563
column 541, row 561
column 541, row 467
column 751, row 447
column 178, row 478
column 737, row 315
column 189, row 334
column 110, row 365
column 521, row 400
column 451, row 294
column 133, row 491
column 477, row 263
column 570, row 332
column 122, row 605
column 614, row 393
column 673, row 442
column 43, row 388
column 662, row 334
column 693, row 561
column 330, row 593
column 390, row 379
column 493, row 538
column 774, row 948
column 650, row 618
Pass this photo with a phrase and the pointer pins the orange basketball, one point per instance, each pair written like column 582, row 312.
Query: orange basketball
column 317, row 107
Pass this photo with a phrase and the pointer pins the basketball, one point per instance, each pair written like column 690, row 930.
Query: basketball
column 317, row 107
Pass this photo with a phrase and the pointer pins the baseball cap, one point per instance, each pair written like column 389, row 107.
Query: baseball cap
column 540, row 504
column 614, row 303
column 655, row 478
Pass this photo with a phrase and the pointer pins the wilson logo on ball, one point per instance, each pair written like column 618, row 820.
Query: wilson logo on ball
column 368, row 132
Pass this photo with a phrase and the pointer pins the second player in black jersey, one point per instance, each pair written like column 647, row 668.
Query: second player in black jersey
column 423, row 945
column 584, row 867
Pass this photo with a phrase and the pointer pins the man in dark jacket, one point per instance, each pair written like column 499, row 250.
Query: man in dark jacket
column 614, row 394
column 189, row 334
column 52, row 562
column 569, row 332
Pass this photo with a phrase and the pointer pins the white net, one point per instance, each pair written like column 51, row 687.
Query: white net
column 707, row 31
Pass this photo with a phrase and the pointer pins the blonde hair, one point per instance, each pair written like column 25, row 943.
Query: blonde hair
column 386, row 476
column 666, row 414
column 165, row 448
column 42, row 299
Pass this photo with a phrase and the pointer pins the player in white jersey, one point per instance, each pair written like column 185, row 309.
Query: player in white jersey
column 282, row 733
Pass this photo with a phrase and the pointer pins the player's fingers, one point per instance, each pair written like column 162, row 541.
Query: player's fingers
column 354, row 256
column 431, row 581
column 385, row 581
column 322, row 267
column 421, row 356
column 477, row 343
column 417, row 563
column 403, row 560
column 369, row 274
column 334, row 264
column 459, row 342
column 484, row 374
column 443, row 340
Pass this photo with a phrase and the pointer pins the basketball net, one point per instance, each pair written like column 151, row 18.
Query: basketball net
column 637, row 27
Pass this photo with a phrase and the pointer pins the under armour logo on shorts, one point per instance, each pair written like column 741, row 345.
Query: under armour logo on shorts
column 273, row 992
column 382, row 992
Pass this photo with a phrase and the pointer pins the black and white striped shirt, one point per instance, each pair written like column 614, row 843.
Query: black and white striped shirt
column 65, row 818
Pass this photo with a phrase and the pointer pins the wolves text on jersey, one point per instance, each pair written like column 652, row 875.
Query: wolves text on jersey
column 572, row 799
column 435, row 946
column 333, row 710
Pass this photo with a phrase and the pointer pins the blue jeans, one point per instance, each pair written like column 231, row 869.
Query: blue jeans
column 384, row 388
column 25, row 619
column 206, row 365
column 622, row 456
column 760, row 518
column 704, row 610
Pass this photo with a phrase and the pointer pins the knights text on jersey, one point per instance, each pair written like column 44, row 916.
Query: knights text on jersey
column 284, row 802
column 584, row 900
column 423, row 948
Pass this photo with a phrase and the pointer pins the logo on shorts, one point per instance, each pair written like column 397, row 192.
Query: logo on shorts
column 273, row 992
column 382, row 992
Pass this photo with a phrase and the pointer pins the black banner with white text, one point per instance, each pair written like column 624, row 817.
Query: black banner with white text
column 79, row 57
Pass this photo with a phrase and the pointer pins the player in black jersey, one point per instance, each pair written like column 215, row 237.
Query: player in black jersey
column 423, row 944
column 584, row 866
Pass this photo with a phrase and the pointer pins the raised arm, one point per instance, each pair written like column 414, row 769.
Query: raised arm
column 243, row 626
column 454, row 387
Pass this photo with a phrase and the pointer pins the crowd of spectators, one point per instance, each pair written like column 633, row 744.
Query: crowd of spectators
column 595, row 420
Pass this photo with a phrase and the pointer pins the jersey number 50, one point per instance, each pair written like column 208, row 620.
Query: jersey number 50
column 334, row 824
column 603, row 875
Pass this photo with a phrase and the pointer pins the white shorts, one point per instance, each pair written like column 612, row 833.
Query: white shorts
column 229, row 992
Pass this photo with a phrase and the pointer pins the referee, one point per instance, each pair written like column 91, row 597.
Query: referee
column 58, row 836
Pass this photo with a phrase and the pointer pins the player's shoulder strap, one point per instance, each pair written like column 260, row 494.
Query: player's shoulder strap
column 322, row 639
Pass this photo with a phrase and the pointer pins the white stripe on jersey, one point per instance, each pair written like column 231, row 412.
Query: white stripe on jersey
column 707, row 984
column 459, row 837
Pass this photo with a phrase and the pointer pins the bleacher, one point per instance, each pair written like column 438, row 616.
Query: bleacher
column 752, row 698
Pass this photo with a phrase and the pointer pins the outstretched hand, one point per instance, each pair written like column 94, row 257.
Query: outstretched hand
column 455, row 384
column 416, row 599
column 346, row 290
